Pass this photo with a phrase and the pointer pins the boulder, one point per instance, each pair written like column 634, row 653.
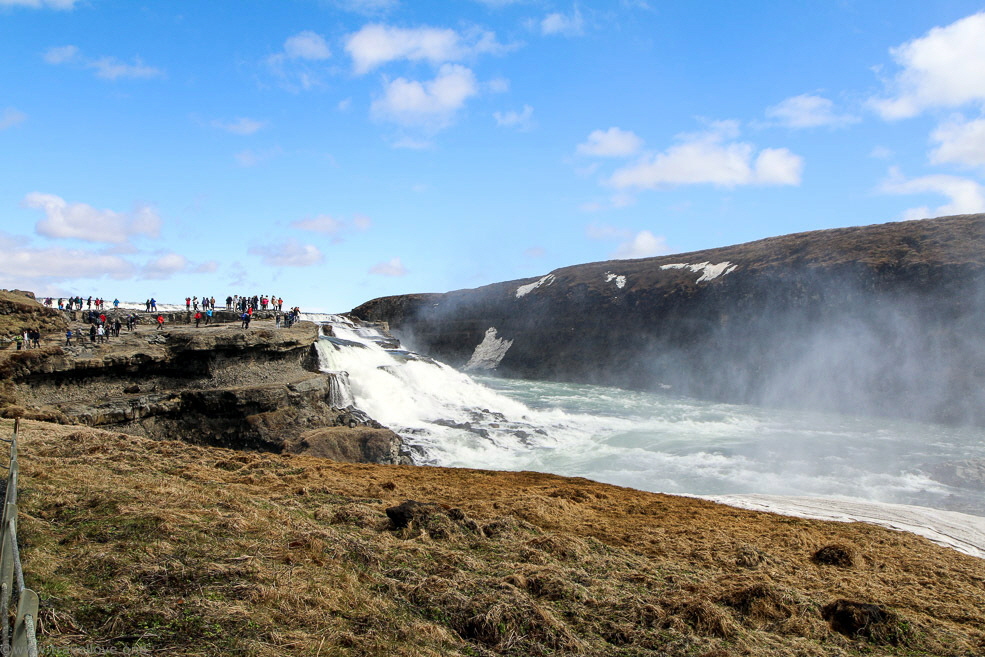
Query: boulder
column 351, row 445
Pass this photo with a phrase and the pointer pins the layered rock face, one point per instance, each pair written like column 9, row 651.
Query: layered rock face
column 884, row 319
column 258, row 389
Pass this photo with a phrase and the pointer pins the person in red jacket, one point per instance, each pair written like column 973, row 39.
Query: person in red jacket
column 160, row 321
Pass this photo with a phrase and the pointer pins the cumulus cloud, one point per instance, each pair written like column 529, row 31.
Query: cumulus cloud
column 393, row 267
column 106, row 67
column 613, row 142
column 432, row 103
column 643, row 245
column 522, row 120
column 563, row 24
column 11, row 117
column 164, row 266
column 940, row 69
column 964, row 196
column 39, row 4
column 960, row 142
column 290, row 253
column 808, row 111
column 711, row 157
column 375, row 45
column 84, row 222
column 240, row 126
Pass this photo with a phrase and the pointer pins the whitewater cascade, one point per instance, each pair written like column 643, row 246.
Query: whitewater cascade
column 656, row 441
column 444, row 416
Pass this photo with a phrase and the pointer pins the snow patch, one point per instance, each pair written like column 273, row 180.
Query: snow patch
column 620, row 280
column 489, row 352
column 524, row 290
column 708, row 270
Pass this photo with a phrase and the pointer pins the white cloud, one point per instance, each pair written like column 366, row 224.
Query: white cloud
column 808, row 111
column 712, row 158
column 391, row 268
column 375, row 45
column 964, row 196
column 164, row 266
column 110, row 68
column 940, row 69
column 11, row 117
column 55, row 264
column 240, row 126
column 367, row 6
column 208, row 267
column 881, row 153
column 106, row 67
column 613, row 142
column 522, row 120
column 323, row 223
column 84, row 222
column 61, row 54
column 288, row 254
column 432, row 103
column 643, row 245
column 960, row 142
column 39, row 4
column 565, row 25
column 307, row 45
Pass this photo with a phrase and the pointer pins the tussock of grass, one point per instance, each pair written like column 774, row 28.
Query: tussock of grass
column 184, row 550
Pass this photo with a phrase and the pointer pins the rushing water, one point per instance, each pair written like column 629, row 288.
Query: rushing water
column 653, row 441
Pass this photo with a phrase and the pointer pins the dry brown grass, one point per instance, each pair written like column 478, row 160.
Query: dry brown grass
column 184, row 550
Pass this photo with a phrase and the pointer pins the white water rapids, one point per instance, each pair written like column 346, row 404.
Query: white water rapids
column 796, row 462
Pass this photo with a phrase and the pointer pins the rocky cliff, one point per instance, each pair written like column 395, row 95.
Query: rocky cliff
column 883, row 319
column 257, row 389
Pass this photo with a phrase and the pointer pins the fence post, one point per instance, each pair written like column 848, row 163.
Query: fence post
column 24, row 640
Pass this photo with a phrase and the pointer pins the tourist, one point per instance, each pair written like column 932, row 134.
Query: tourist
column 246, row 320
column 68, row 337
column 78, row 336
column 208, row 316
column 153, row 304
column 160, row 322
column 19, row 341
column 198, row 318
column 92, row 333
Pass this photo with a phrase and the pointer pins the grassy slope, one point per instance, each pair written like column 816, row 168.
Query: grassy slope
column 194, row 551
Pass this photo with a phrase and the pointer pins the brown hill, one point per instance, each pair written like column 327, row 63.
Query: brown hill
column 882, row 319
column 171, row 548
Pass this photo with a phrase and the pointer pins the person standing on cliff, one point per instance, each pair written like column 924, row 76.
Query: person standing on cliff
column 198, row 319
column 208, row 316
column 160, row 322
column 68, row 337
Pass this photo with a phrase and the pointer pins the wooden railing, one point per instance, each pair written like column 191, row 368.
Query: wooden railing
column 23, row 640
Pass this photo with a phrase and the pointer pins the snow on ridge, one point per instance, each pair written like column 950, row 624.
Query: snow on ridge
column 708, row 270
column 524, row 290
column 619, row 279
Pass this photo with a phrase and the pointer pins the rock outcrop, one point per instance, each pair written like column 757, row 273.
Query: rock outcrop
column 882, row 319
column 257, row 389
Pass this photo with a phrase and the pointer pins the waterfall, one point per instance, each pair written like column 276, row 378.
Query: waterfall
column 438, row 411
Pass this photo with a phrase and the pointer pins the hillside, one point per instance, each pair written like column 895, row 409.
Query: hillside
column 180, row 549
column 882, row 319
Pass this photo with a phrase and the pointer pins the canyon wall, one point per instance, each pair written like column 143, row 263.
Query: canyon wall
column 885, row 319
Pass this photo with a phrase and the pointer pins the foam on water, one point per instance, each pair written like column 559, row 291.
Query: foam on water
column 646, row 440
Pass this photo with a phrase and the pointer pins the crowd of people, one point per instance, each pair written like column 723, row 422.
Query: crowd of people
column 93, row 312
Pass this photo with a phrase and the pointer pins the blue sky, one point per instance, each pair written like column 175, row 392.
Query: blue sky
column 333, row 151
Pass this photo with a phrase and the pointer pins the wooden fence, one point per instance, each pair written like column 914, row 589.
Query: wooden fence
column 23, row 639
